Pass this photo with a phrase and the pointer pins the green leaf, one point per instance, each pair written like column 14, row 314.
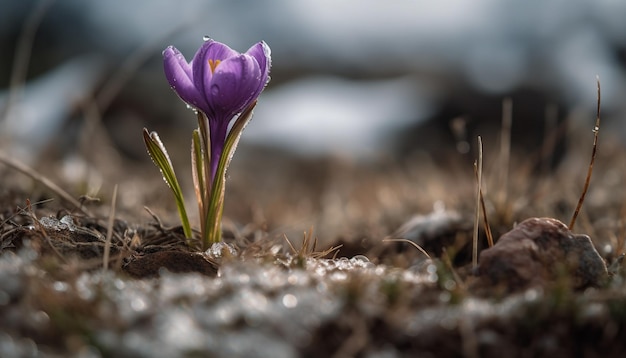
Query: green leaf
column 197, row 171
column 161, row 159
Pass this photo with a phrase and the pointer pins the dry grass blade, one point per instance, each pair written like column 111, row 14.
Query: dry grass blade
column 309, row 244
column 421, row 249
column 107, row 243
column 484, row 211
column 479, row 170
column 26, row 170
column 596, row 130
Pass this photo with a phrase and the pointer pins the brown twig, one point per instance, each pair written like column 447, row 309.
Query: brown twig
column 596, row 130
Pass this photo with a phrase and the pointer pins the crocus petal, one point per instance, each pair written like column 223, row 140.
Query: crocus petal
column 179, row 75
column 210, row 50
column 262, row 53
column 234, row 85
column 219, row 81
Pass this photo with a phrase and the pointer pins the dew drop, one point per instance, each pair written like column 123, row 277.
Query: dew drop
column 290, row 301
column 215, row 90
column 206, row 38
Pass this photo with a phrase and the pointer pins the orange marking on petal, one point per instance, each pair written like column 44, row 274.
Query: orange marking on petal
column 213, row 64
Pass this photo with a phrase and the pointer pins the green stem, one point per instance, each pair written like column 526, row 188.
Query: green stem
column 216, row 204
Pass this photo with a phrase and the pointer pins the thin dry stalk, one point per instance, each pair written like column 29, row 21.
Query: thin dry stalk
column 26, row 170
column 418, row 247
column 484, row 211
column 107, row 243
column 596, row 130
column 479, row 168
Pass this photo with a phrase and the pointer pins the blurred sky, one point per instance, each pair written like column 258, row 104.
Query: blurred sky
column 345, row 74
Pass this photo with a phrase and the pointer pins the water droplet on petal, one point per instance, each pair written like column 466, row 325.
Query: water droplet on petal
column 206, row 38
column 215, row 90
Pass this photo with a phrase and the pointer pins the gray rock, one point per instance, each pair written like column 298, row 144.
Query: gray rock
column 539, row 251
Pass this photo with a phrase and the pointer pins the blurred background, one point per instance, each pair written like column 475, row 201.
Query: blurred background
column 360, row 80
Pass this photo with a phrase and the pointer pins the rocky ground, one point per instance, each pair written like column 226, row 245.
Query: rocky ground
column 304, row 269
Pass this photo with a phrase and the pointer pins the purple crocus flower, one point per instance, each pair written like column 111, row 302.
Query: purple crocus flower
column 220, row 82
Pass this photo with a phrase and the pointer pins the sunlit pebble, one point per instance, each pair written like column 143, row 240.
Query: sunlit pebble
column 276, row 249
column 531, row 295
column 68, row 221
column 226, row 313
column 594, row 309
column 607, row 249
column 138, row 304
column 290, row 301
column 217, row 250
column 361, row 258
column 361, row 261
column 298, row 278
column 60, row 286
column 344, row 264
column 338, row 276
column 83, row 291
column 119, row 284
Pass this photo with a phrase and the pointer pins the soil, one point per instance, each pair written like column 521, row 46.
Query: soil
column 303, row 269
